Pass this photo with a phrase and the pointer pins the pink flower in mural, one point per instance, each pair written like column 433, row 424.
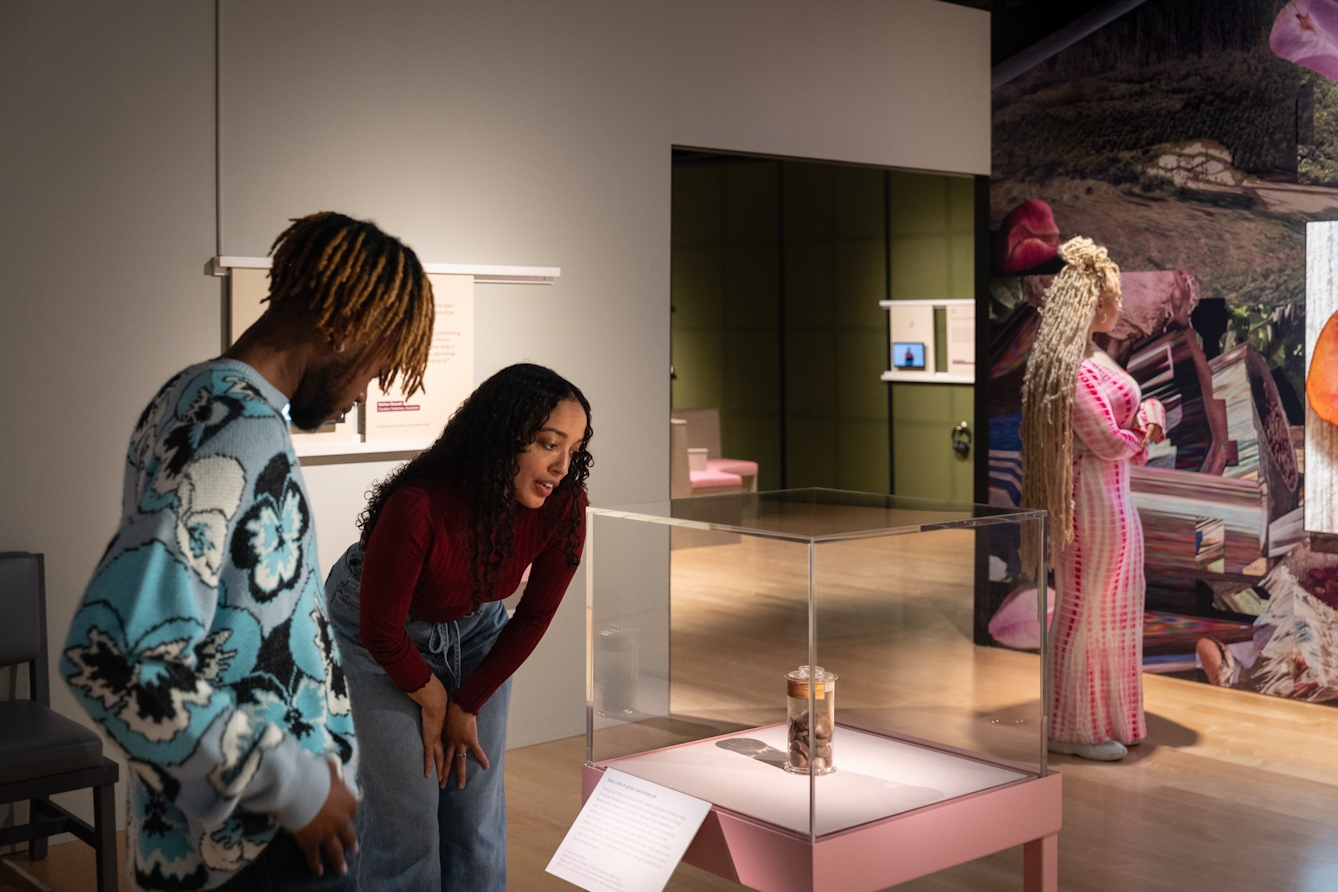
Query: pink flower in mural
column 1306, row 32
column 1028, row 237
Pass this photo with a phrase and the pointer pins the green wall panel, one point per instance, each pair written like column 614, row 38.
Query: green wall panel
column 923, row 417
column 699, row 364
column 696, row 208
column 812, row 458
column 838, row 235
column 919, row 267
column 751, row 279
column 962, row 266
column 961, row 204
column 698, row 295
column 725, row 267
column 933, row 257
column 919, row 203
column 860, row 282
column 749, row 196
column 861, row 357
column 751, row 379
column 862, row 454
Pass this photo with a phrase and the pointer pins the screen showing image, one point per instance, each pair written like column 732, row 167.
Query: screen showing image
column 908, row 355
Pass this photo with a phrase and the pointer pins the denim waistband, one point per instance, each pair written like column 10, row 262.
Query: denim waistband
column 442, row 642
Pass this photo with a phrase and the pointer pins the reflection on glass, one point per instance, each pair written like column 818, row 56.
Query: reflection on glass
column 617, row 658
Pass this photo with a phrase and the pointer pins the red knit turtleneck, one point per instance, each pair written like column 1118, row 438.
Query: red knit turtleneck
column 418, row 564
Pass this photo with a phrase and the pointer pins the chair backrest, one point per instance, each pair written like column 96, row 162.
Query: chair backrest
column 23, row 623
column 680, row 481
column 703, row 429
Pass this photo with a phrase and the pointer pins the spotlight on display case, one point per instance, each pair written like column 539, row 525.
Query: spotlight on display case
column 718, row 630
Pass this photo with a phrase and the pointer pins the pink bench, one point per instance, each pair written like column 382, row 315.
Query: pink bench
column 697, row 467
column 732, row 466
column 714, row 477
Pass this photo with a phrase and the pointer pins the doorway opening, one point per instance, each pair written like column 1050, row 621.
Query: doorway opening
column 778, row 268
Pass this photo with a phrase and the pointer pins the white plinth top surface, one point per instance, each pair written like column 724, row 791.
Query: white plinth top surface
column 875, row 777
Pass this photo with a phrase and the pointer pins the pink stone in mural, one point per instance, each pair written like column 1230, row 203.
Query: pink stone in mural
column 1017, row 621
column 1028, row 237
column 1306, row 32
column 1152, row 301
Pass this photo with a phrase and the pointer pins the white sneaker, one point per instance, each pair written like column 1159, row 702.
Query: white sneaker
column 1104, row 751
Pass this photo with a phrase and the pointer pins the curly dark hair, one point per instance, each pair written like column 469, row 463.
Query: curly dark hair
column 480, row 449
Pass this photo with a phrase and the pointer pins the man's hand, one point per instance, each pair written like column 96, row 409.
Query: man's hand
column 331, row 832
column 433, row 699
column 462, row 737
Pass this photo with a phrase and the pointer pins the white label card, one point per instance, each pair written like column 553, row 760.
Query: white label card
column 629, row 836
column 449, row 377
column 961, row 340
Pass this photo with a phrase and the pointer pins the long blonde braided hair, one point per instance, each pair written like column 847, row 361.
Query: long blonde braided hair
column 1051, row 381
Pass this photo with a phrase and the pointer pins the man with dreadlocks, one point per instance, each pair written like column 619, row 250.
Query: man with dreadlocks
column 1083, row 421
column 202, row 644
column 417, row 609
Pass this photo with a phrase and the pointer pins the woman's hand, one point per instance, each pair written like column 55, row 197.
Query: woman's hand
column 433, row 699
column 461, row 738
column 1153, row 434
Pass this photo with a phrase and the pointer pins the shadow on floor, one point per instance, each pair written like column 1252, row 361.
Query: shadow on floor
column 1162, row 732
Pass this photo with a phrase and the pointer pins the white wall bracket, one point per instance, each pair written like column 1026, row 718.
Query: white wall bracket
column 962, row 374
column 483, row 274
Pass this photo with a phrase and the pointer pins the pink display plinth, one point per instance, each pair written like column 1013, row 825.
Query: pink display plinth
column 884, row 852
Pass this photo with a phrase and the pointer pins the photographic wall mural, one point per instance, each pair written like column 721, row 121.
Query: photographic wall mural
column 1196, row 140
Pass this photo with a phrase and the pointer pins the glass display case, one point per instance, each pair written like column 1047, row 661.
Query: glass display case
column 719, row 631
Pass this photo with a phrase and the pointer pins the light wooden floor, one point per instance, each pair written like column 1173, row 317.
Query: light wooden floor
column 1231, row 791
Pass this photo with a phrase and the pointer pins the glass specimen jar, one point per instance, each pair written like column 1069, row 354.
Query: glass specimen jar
column 810, row 738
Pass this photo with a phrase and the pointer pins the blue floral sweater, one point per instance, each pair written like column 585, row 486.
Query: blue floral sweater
column 202, row 644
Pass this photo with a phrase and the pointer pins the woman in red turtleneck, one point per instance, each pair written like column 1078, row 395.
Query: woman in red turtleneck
column 427, row 647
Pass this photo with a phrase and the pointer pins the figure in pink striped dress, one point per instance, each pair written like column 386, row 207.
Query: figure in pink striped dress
column 1096, row 644
column 1083, row 422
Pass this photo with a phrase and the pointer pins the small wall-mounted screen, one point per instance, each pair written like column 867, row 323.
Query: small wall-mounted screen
column 908, row 355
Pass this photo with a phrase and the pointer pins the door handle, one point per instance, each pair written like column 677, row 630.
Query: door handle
column 961, row 439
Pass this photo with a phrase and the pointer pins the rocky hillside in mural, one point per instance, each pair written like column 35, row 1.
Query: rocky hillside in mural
column 1177, row 137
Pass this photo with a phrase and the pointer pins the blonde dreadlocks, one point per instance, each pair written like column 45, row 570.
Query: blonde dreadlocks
column 1050, row 384
column 358, row 282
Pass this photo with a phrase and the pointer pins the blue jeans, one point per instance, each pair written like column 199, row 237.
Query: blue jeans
column 283, row 868
column 402, row 848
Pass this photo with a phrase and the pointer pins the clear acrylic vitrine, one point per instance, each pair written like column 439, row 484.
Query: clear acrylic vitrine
column 806, row 661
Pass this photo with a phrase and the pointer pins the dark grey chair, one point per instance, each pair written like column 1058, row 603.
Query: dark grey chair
column 42, row 752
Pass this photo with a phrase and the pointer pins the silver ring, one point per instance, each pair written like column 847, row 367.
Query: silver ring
column 460, row 755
